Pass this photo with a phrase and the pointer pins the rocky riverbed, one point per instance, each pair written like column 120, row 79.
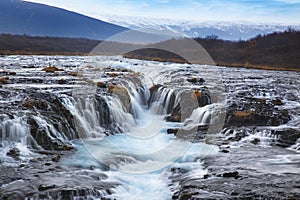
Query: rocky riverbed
column 101, row 127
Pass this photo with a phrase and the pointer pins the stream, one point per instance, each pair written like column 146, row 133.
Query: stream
column 106, row 127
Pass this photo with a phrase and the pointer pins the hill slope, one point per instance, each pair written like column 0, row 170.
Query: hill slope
column 19, row 17
column 279, row 51
column 273, row 51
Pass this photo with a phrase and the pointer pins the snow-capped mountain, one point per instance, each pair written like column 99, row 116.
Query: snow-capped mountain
column 224, row 30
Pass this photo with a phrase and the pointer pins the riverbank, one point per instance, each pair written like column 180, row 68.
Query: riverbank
column 276, row 51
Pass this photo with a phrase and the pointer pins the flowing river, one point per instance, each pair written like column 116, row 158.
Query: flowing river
column 101, row 127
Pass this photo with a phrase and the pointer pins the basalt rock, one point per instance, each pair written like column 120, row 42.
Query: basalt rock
column 123, row 95
column 4, row 80
column 256, row 112
column 189, row 100
column 51, row 69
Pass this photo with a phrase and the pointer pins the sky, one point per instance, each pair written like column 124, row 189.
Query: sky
column 269, row 11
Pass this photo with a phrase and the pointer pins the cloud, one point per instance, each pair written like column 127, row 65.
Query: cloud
column 289, row 1
column 278, row 11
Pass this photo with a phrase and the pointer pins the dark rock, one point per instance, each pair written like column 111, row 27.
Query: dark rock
column 62, row 81
column 224, row 151
column 206, row 176
column 14, row 153
column 22, row 165
column 123, row 95
column 234, row 174
column 287, row 136
column 277, row 102
column 172, row 131
column 51, row 69
column 192, row 80
column 73, row 74
column 56, row 158
column 45, row 187
column 4, row 80
column 255, row 112
column 154, row 89
column 255, row 141
column 101, row 85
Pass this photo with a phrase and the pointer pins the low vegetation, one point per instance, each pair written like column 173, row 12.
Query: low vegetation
column 279, row 51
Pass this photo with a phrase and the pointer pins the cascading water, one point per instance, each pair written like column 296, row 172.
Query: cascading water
column 141, row 156
column 142, row 124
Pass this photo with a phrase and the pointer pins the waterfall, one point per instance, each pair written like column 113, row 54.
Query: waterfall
column 13, row 130
column 86, row 116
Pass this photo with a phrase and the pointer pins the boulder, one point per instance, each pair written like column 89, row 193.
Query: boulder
column 101, row 84
column 4, row 80
column 51, row 69
column 123, row 95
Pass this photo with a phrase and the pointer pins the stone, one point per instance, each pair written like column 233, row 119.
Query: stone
column 4, row 80
column 73, row 73
column 234, row 174
column 51, row 69
column 62, row 81
column 101, row 84
column 123, row 95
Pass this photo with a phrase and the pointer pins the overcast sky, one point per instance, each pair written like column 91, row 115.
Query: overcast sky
column 275, row 11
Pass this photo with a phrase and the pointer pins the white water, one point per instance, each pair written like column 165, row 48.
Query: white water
column 140, row 158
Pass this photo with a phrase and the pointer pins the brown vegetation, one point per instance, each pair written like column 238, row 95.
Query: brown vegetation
column 276, row 51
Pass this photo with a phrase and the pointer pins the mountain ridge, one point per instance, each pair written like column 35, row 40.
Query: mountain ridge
column 225, row 30
column 21, row 17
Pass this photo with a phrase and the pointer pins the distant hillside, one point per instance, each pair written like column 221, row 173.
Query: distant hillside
column 16, row 44
column 19, row 17
column 273, row 51
column 279, row 51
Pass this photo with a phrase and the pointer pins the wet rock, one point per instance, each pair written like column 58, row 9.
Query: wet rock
column 35, row 103
column 234, row 174
column 62, row 81
column 6, row 73
column 185, row 196
column 113, row 74
column 104, row 112
column 255, row 141
column 255, row 112
column 287, row 136
column 196, row 80
column 16, row 190
column 224, row 151
column 172, row 131
column 277, row 102
column 154, row 88
column 101, row 85
column 4, row 80
column 45, row 187
column 190, row 100
column 14, row 153
column 12, row 73
column 192, row 79
column 56, row 158
column 51, row 69
column 123, row 95
column 73, row 73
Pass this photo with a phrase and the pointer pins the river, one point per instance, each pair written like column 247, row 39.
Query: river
column 105, row 127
